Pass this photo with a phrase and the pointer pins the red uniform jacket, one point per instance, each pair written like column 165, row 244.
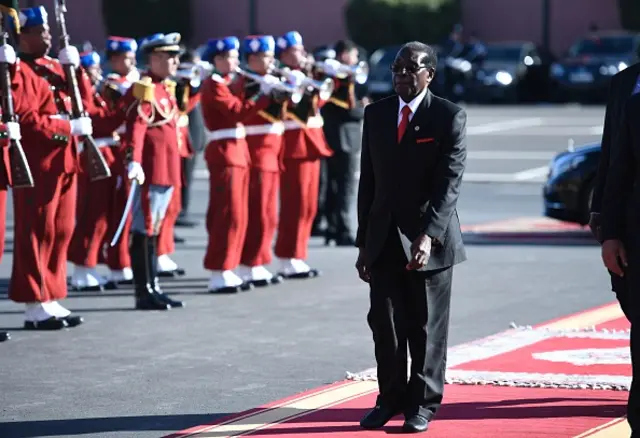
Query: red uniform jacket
column 50, row 69
column 304, row 136
column 264, row 128
column 44, row 139
column 223, row 114
column 152, row 135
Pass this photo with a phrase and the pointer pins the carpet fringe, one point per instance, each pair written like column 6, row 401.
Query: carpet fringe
column 591, row 329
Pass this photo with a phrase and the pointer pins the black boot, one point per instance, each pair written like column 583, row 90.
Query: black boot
column 146, row 298
column 152, row 253
column 4, row 336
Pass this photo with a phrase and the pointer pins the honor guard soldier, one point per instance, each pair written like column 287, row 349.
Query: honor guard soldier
column 187, row 96
column 264, row 131
column 227, row 157
column 151, row 145
column 121, row 57
column 94, row 207
column 45, row 215
column 304, row 146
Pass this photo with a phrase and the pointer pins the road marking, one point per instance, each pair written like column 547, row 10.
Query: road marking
column 553, row 131
column 613, row 429
column 510, row 155
column 589, row 318
column 507, row 125
column 536, row 173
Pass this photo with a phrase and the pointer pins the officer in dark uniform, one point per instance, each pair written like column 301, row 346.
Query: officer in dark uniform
column 343, row 116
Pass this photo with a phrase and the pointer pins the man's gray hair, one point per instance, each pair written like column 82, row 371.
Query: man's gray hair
column 431, row 57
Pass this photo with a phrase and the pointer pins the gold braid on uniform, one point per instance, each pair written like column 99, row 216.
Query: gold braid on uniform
column 144, row 91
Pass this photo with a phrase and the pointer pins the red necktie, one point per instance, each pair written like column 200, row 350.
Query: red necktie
column 404, row 122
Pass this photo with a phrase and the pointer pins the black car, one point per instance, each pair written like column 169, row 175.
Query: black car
column 570, row 183
column 587, row 69
column 512, row 71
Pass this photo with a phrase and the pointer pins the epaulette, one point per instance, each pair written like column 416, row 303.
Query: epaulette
column 144, row 90
column 171, row 86
column 217, row 78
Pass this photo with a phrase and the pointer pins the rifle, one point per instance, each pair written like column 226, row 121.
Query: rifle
column 98, row 168
column 21, row 176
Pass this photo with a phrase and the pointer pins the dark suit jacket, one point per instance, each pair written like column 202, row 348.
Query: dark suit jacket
column 621, row 87
column 414, row 184
column 621, row 199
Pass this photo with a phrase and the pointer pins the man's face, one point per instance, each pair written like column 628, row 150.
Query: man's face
column 350, row 57
column 227, row 62
column 294, row 57
column 36, row 40
column 123, row 63
column 95, row 73
column 260, row 62
column 163, row 64
column 410, row 75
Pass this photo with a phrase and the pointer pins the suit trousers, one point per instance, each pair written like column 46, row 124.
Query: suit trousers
column 340, row 192
column 188, row 166
column 95, row 203
column 166, row 242
column 409, row 309
column 263, row 217
column 45, row 216
column 227, row 216
column 620, row 288
column 631, row 281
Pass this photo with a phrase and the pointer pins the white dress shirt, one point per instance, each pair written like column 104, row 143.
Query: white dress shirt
column 414, row 105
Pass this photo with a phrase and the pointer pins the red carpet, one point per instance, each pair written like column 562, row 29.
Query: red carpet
column 474, row 411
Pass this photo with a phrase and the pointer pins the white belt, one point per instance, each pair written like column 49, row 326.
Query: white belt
column 269, row 128
column 183, row 121
column 222, row 134
column 59, row 116
column 312, row 122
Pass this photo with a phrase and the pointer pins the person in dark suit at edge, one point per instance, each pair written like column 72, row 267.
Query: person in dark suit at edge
column 409, row 238
column 620, row 235
column 623, row 85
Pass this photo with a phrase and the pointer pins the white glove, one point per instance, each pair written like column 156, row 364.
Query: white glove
column 69, row 56
column 268, row 83
column 7, row 54
column 331, row 67
column 13, row 129
column 81, row 126
column 134, row 171
column 296, row 77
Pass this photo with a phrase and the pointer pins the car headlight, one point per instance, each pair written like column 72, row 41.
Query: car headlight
column 504, row 78
column 557, row 70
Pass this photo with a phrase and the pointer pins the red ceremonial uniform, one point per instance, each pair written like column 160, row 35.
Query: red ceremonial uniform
column 304, row 146
column 227, row 157
column 150, row 137
column 117, row 257
column 4, row 184
column 45, row 214
column 95, row 202
column 264, row 131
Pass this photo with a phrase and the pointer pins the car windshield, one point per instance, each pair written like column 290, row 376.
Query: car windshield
column 603, row 46
column 384, row 57
column 503, row 53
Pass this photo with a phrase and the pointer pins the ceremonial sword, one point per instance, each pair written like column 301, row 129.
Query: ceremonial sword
column 127, row 210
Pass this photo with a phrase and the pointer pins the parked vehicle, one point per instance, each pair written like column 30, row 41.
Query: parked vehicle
column 585, row 72
column 570, row 183
column 512, row 72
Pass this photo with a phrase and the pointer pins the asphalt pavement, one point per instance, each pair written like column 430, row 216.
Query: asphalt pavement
column 130, row 374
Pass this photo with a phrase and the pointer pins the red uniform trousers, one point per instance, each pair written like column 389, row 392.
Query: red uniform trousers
column 45, row 221
column 93, row 213
column 264, row 183
column 166, row 243
column 117, row 257
column 227, row 213
column 299, row 185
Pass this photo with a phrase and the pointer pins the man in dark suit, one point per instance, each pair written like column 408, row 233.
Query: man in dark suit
column 623, row 85
column 413, row 158
column 621, row 234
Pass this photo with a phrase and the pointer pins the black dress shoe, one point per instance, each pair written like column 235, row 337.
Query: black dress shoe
column 225, row 290
column 277, row 279
column 4, row 336
column 52, row 323
column 312, row 273
column 150, row 301
column 73, row 320
column 415, row 424
column 377, row 417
